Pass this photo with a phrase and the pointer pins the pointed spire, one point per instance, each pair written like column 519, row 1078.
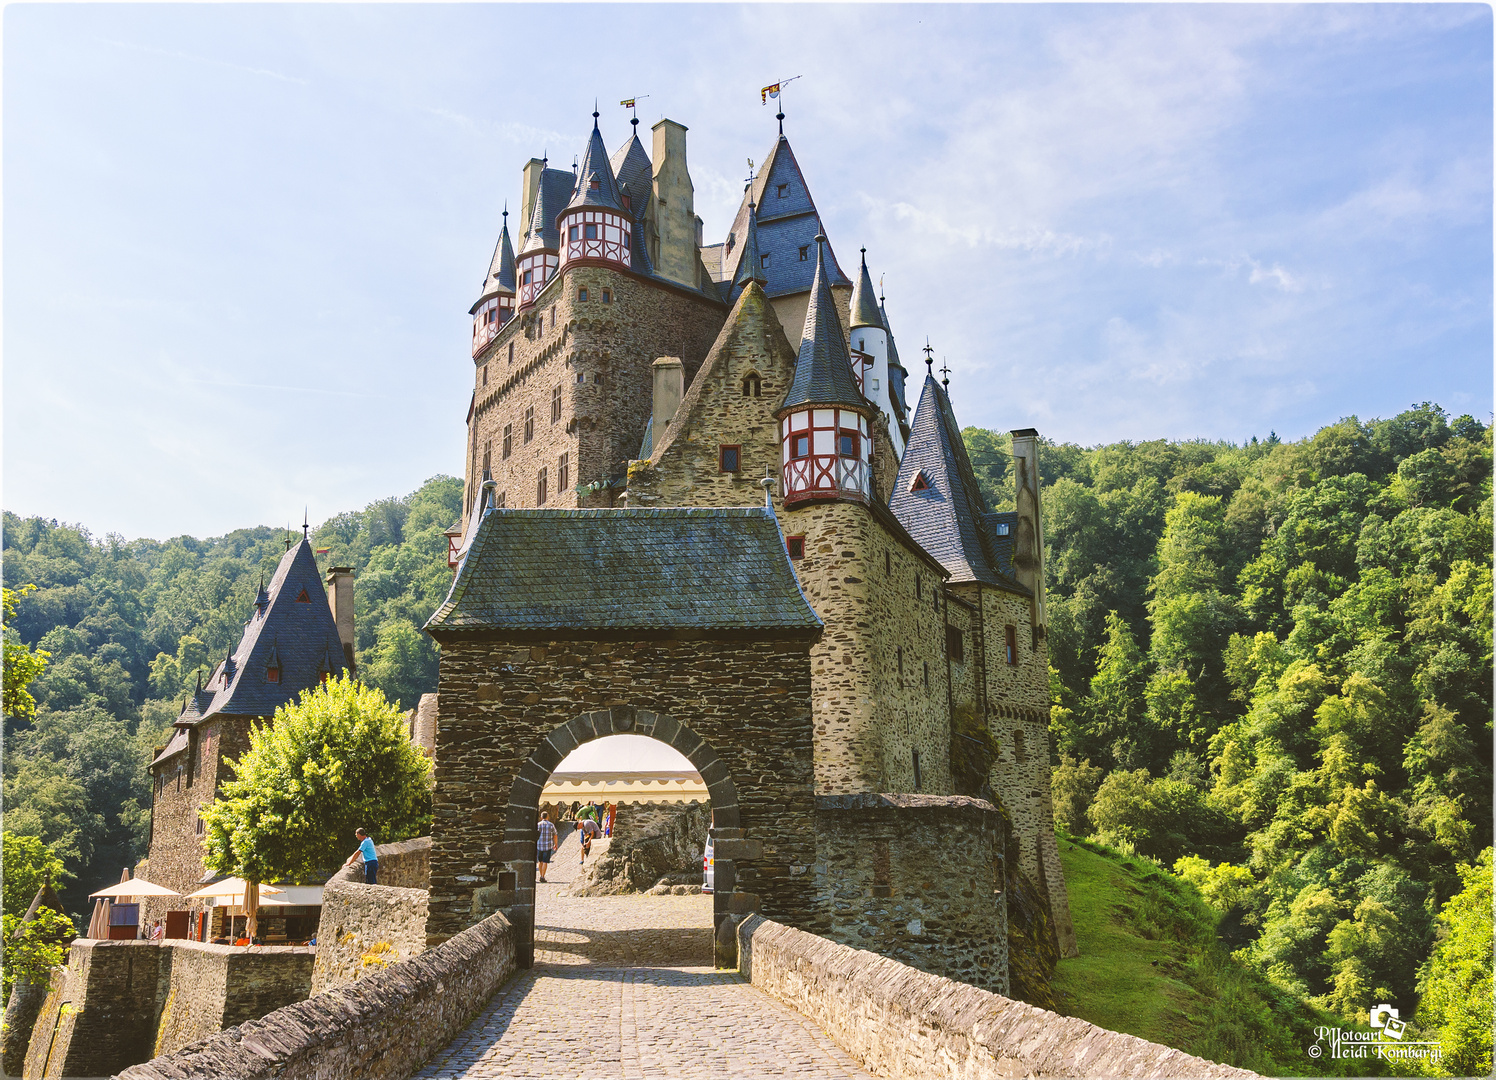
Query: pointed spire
column 541, row 235
column 596, row 185
column 864, row 310
column 750, row 262
column 501, row 267
column 305, row 521
column 780, row 117
column 896, row 372
column 929, row 359
column 823, row 370
column 945, row 370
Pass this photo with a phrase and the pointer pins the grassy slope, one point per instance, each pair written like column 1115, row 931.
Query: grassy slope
column 1150, row 966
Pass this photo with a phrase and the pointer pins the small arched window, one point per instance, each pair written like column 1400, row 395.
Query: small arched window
column 753, row 386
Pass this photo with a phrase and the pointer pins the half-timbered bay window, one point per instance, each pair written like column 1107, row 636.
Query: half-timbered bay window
column 597, row 235
column 824, row 454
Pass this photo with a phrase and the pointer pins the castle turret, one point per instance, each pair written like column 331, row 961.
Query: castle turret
column 870, row 346
column 896, row 384
column 495, row 305
column 824, row 422
column 594, row 227
column 539, row 258
column 636, row 192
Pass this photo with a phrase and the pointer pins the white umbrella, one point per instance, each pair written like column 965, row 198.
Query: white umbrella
column 135, row 887
column 231, row 886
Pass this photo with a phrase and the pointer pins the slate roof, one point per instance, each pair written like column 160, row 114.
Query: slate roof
column 750, row 265
column 500, row 278
column 948, row 517
column 785, row 225
column 823, row 370
column 897, row 373
column 864, row 307
column 595, row 167
column 699, row 568
column 551, row 197
column 635, row 174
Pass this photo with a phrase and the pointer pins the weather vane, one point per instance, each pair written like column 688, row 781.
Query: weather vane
column 633, row 103
column 945, row 370
column 929, row 355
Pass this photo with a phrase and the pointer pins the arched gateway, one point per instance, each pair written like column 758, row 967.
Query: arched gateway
column 685, row 625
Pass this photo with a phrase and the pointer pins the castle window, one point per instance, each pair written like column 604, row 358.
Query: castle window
column 763, row 261
column 511, row 352
column 1010, row 633
column 199, row 826
column 581, row 376
column 589, row 232
column 729, row 459
column 796, row 546
column 487, row 456
column 847, row 443
column 1019, row 750
column 594, row 185
column 927, row 674
column 888, row 563
column 805, row 253
column 540, row 480
column 900, row 651
column 499, row 502
column 555, row 404
column 955, row 644
column 919, row 483
column 731, row 240
column 607, row 296
column 918, row 588
column 563, row 473
column 800, row 446
column 628, row 203
column 753, row 386
column 571, row 233
column 917, row 779
column 508, row 440
column 598, row 378
column 784, row 191
column 582, row 295
column 304, row 598
column 529, row 423
column 485, row 374
column 526, row 277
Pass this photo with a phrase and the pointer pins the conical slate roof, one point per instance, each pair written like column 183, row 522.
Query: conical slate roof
column 636, row 179
column 596, row 185
column 823, row 370
column 500, row 278
column 937, row 499
column 750, row 264
column 864, row 307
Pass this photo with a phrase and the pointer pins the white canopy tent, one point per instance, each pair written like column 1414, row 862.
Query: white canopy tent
column 624, row 768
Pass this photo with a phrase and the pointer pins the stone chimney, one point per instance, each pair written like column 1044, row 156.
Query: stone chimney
column 669, row 388
column 1028, row 545
column 340, row 599
column 529, row 185
column 675, row 213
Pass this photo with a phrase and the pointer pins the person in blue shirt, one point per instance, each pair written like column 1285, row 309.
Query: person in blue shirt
column 370, row 856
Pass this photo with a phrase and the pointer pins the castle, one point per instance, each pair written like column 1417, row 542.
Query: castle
column 621, row 364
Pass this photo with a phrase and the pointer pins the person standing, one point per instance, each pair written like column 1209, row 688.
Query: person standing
column 545, row 844
column 370, row 857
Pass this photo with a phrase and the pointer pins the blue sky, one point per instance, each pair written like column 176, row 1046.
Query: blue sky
column 240, row 241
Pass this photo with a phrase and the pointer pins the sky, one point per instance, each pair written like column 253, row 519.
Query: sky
column 240, row 241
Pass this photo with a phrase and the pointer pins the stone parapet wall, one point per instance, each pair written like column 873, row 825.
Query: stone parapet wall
column 403, row 865
column 366, row 928
column 386, row 1025
column 918, row 878
column 118, row 1003
column 899, row 1022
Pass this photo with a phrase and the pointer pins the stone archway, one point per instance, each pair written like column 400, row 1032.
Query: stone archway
column 522, row 814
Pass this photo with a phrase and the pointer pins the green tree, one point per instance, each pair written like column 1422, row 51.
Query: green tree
column 337, row 759
column 1115, row 710
column 33, row 949
column 1073, row 786
column 1455, row 985
column 22, row 665
column 28, row 865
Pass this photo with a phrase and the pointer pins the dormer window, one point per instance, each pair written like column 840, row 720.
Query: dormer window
column 919, row 483
column 594, row 185
column 783, row 191
column 731, row 241
column 272, row 674
column 628, row 203
column 805, row 253
column 303, row 598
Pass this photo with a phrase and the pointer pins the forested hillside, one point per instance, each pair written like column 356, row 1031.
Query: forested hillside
column 129, row 625
column 1272, row 674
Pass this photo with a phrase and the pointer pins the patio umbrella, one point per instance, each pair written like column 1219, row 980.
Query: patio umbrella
column 231, row 886
column 134, row 887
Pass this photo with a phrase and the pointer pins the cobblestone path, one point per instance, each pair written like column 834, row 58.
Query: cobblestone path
column 623, row 987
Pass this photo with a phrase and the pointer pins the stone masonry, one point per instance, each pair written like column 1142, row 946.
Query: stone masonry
column 364, row 929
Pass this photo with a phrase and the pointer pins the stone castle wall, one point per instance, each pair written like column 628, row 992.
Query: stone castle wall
column 918, row 878
column 748, row 701
column 118, row 1003
column 366, row 928
column 599, row 356
column 906, row 1024
column 880, row 674
column 381, row 1028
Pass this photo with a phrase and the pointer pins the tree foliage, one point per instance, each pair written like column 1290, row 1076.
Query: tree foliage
column 28, row 865
column 337, row 759
column 1455, row 984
